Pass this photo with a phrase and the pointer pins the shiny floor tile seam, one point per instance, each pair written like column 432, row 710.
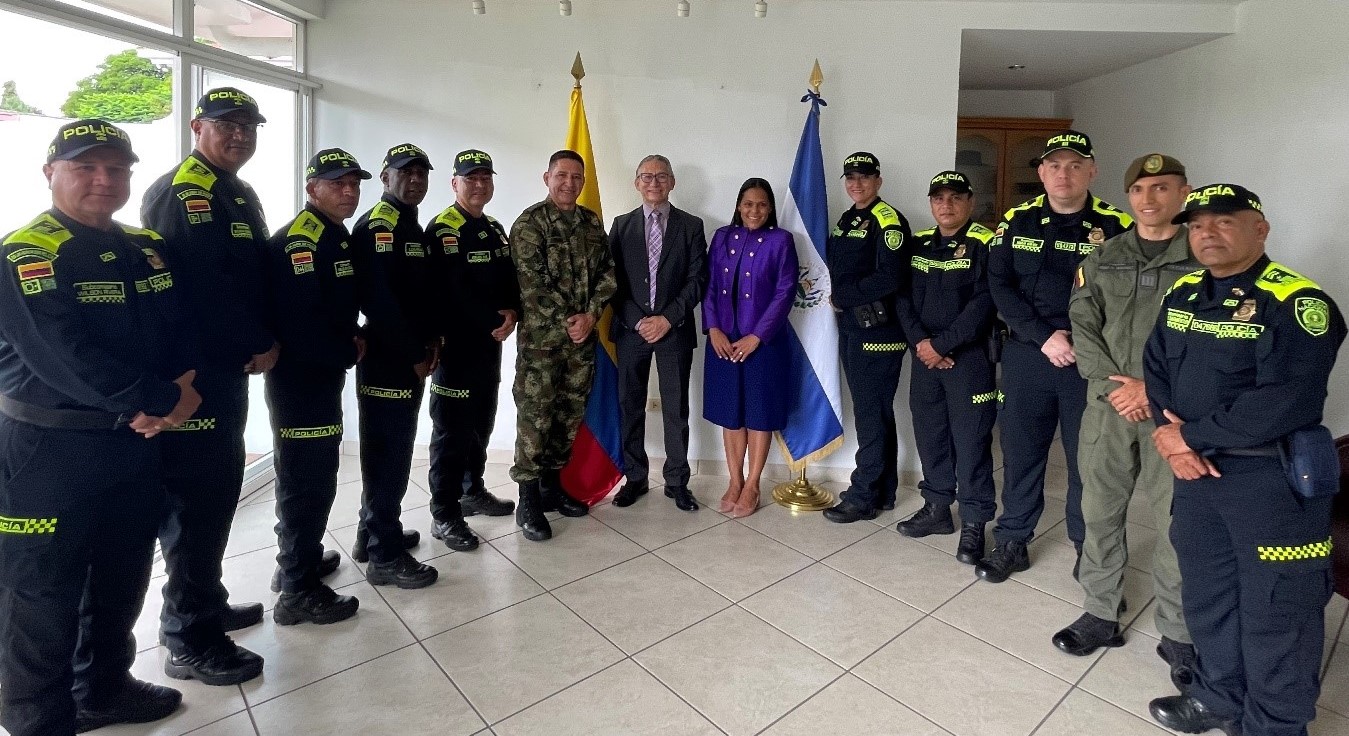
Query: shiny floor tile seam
column 611, row 527
column 788, row 545
column 846, row 673
column 422, row 644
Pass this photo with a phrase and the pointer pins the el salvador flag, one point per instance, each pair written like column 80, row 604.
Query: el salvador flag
column 815, row 423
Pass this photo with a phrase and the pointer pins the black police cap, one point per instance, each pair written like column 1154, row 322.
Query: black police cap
column 73, row 139
column 1068, row 140
column 953, row 180
column 333, row 163
column 403, row 154
column 1221, row 198
column 862, row 163
column 221, row 101
column 467, row 162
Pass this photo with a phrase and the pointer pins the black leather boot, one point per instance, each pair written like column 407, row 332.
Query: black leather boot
column 555, row 497
column 529, row 513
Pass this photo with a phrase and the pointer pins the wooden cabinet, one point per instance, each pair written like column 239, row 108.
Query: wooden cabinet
column 996, row 153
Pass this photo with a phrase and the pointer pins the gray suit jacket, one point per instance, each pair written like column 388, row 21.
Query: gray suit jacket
column 681, row 276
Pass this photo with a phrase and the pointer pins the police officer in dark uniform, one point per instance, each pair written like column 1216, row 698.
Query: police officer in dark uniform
column 1033, row 257
column 400, row 351
column 868, row 257
column 213, row 232
column 315, row 301
column 948, row 317
column 1237, row 371
column 89, row 368
column 477, row 308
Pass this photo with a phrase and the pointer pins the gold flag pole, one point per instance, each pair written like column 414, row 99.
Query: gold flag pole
column 578, row 70
column 801, row 494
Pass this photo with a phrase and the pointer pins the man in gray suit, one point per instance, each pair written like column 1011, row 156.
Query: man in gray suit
column 660, row 255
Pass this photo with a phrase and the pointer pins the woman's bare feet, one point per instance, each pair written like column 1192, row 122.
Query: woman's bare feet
column 748, row 503
column 732, row 496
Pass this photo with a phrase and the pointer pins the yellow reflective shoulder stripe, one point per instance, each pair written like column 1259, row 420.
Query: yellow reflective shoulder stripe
column 1032, row 204
column 925, row 233
column 980, row 233
column 129, row 230
column 45, row 232
column 193, row 172
column 386, row 212
column 451, row 217
column 1283, row 282
column 1290, row 554
column 1105, row 208
column 885, row 215
column 1193, row 277
column 306, row 226
column 27, row 526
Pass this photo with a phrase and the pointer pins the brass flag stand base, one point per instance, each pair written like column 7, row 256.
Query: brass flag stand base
column 802, row 495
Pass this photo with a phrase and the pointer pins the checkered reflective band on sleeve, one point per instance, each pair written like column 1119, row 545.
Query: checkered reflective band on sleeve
column 884, row 347
column 309, row 433
column 27, row 526
column 384, row 393
column 1291, row 554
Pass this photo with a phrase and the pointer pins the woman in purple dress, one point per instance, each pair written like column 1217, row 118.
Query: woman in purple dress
column 749, row 294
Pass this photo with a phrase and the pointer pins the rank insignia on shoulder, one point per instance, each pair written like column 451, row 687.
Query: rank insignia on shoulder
column 1081, row 279
column 1313, row 314
column 960, row 251
column 1245, row 312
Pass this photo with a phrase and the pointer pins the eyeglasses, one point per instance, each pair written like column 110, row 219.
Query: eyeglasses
column 662, row 177
column 229, row 127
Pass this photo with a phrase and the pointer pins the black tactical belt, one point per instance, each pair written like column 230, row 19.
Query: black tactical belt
column 1261, row 451
column 42, row 416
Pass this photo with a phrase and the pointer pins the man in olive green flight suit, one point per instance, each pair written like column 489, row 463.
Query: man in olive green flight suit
column 1116, row 297
column 566, row 277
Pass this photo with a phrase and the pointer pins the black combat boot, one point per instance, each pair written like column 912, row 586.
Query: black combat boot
column 931, row 519
column 478, row 500
column 529, row 513
column 555, row 497
column 411, row 538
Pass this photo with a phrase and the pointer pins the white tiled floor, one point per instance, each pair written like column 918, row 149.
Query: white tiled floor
column 649, row 620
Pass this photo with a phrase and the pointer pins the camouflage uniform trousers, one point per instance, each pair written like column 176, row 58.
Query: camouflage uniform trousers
column 551, row 389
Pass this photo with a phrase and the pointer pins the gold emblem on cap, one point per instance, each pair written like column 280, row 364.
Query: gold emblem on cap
column 1245, row 312
column 960, row 251
column 1096, row 236
column 1153, row 164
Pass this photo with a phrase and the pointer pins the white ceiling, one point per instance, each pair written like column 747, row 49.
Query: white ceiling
column 1057, row 59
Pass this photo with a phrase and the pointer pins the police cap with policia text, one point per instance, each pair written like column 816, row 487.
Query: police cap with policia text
column 73, row 139
column 403, row 154
column 1068, row 140
column 953, row 180
column 1153, row 164
column 1220, row 198
column 862, row 163
column 333, row 163
column 472, row 160
column 221, row 101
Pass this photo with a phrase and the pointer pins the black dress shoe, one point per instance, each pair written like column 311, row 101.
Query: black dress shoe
column 455, row 534
column 1181, row 657
column 931, row 519
column 359, row 553
column 1087, row 634
column 682, row 498
column 1006, row 559
column 135, row 702
column 887, row 504
column 480, row 501
column 1188, row 715
column 529, row 513
column 971, row 548
column 555, row 498
column 847, row 513
column 328, row 564
column 241, row 616
column 630, row 492
column 404, row 572
column 223, row 664
column 318, row 605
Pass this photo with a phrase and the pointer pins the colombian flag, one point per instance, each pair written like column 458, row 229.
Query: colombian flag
column 596, row 457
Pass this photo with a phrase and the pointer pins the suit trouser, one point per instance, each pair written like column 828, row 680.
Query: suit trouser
column 1038, row 397
column 1115, row 456
column 463, row 413
column 674, row 363
column 389, row 397
column 953, row 414
column 306, row 409
column 551, row 388
column 872, row 360
column 77, row 540
column 203, row 476
column 1255, row 574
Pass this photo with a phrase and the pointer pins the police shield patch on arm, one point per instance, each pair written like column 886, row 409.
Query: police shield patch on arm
column 1313, row 314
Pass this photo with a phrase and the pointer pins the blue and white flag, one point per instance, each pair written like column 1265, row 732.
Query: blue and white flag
column 815, row 424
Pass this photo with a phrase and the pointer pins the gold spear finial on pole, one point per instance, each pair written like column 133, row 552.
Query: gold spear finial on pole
column 816, row 77
column 578, row 69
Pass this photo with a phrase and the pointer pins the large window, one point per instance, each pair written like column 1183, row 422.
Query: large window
column 123, row 60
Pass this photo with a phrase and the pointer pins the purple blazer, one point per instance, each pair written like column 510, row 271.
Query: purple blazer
column 765, row 262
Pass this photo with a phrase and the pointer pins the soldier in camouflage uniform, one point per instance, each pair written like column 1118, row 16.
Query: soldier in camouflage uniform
column 566, row 277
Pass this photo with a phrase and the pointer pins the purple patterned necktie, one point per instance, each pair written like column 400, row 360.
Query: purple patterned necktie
column 653, row 244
